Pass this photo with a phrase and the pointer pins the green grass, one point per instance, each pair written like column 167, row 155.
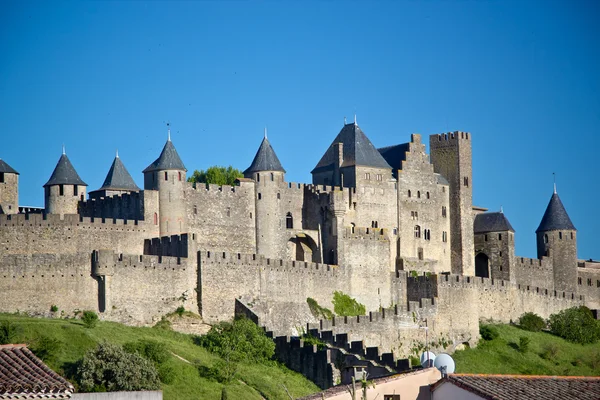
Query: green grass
column 251, row 382
column 501, row 355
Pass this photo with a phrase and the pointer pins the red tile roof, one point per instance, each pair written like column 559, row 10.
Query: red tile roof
column 23, row 374
column 526, row 387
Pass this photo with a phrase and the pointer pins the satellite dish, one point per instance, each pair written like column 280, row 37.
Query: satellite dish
column 445, row 364
column 427, row 359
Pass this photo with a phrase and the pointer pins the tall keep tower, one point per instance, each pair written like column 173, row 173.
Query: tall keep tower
column 557, row 238
column 451, row 157
column 9, row 189
column 167, row 175
column 267, row 172
column 64, row 189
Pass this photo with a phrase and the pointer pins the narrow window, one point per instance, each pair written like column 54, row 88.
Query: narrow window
column 444, row 237
column 417, row 231
column 180, row 176
column 278, row 196
column 466, row 181
column 195, row 210
column 545, row 238
column 412, row 215
column 443, row 189
column 259, row 196
column 499, row 236
column 571, row 235
column 257, row 177
column 75, row 190
column 409, row 194
column 428, row 195
column 579, row 281
column 589, row 281
column 444, row 211
column 250, row 215
column 420, row 252
column 418, row 194
column 289, row 221
column 352, row 226
column 416, row 215
column 272, row 177
column 500, row 254
column 560, row 235
column 1, row 177
column 61, row 190
column 155, row 219
column 166, row 176
column 228, row 212
column 485, row 238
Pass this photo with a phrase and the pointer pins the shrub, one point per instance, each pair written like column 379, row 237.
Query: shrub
column 488, row 332
column 346, row 306
column 414, row 361
column 180, row 310
column 311, row 341
column 576, row 325
column 46, row 348
column 149, row 349
column 164, row 324
column 531, row 322
column 167, row 374
column 524, row 344
column 8, row 332
column 89, row 318
column 110, row 367
column 550, row 351
column 594, row 360
column 54, row 308
column 318, row 311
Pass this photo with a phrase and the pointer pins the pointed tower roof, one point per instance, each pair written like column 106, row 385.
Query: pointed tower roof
column 265, row 159
column 555, row 218
column 64, row 173
column 357, row 148
column 168, row 159
column 7, row 169
column 491, row 222
column 118, row 178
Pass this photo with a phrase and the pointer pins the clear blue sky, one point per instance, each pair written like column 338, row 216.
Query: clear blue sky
column 523, row 77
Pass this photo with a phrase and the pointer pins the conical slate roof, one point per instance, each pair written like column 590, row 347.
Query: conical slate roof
column 265, row 159
column 7, row 169
column 491, row 222
column 64, row 174
column 555, row 218
column 357, row 148
column 118, row 178
column 168, row 159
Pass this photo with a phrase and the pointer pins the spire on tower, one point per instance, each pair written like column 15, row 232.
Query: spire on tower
column 354, row 118
column 554, row 176
column 265, row 132
column 64, row 152
column 117, row 155
column 168, row 131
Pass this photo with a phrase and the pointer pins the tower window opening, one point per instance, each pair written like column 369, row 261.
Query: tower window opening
column 352, row 227
column 289, row 221
column 257, row 177
column 444, row 211
column 418, row 194
column 155, row 219
column 485, row 238
column 409, row 194
column 228, row 212
column 195, row 210
column 443, row 189
column 420, row 253
column 259, row 196
column 1, row 177
column 75, row 190
column 466, row 181
column 417, row 231
column 572, row 235
column 499, row 236
column 589, row 281
column 180, row 176
column 545, row 238
column 427, row 195
column 579, row 281
column 166, row 176
column 560, row 235
column 61, row 190
column 444, row 236
column 278, row 196
column 272, row 177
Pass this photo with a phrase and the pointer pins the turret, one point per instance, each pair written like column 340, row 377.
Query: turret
column 64, row 189
column 167, row 175
column 494, row 246
column 268, row 174
column 557, row 238
column 9, row 189
column 118, row 181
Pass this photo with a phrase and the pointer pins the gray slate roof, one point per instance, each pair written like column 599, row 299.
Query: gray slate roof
column 7, row 169
column 64, row 174
column 555, row 218
column 358, row 150
column 265, row 159
column 118, row 178
column 394, row 155
column 168, row 159
column 491, row 222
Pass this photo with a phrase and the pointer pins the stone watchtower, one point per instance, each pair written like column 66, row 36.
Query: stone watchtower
column 167, row 175
column 9, row 189
column 494, row 246
column 451, row 157
column 64, row 189
column 267, row 172
column 557, row 238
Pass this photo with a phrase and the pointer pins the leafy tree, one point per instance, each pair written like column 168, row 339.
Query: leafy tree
column 576, row 324
column 149, row 349
column 216, row 175
column 109, row 367
column 531, row 322
column 346, row 306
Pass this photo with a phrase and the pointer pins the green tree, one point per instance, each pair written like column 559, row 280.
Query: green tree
column 576, row 324
column 110, row 368
column 216, row 175
column 531, row 322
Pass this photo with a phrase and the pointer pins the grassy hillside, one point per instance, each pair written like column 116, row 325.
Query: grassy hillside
column 547, row 355
column 253, row 381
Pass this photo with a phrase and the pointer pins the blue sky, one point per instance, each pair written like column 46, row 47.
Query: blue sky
column 522, row 77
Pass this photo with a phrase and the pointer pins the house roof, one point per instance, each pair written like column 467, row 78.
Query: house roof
column 168, row 159
column 7, row 169
column 555, row 218
column 24, row 375
column 526, row 387
column 491, row 222
column 357, row 151
column 118, row 178
column 265, row 159
column 64, row 173
column 394, row 155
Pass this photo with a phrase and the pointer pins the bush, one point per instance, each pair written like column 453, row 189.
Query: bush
column 576, row 325
column 90, row 319
column 524, row 344
column 180, row 310
column 550, row 351
column 531, row 322
column 164, row 324
column 149, row 349
column 46, row 348
column 311, row 341
column 414, row 361
column 167, row 374
column 318, row 311
column 346, row 306
column 111, row 368
column 8, row 332
column 54, row 308
column 488, row 332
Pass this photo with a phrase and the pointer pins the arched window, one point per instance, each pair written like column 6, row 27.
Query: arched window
column 428, row 195
column 289, row 221
column 278, row 196
column 409, row 194
column 352, row 226
column 155, row 219
column 417, row 231
column 418, row 194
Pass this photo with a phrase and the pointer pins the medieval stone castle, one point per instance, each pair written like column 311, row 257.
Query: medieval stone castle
column 393, row 227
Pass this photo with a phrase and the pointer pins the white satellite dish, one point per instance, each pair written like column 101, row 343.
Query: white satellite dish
column 445, row 364
column 427, row 359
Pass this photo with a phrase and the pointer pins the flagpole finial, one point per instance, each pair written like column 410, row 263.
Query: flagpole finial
column 501, row 210
column 354, row 118
column 168, row 131
column 117, row 153
column 265, row 132
column 64, row 152
column 345, row 122
column 554, row 175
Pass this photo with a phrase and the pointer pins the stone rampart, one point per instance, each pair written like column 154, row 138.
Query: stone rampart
column 588, row 285
column 534, row 272
column 172, row 246
column 122, row 206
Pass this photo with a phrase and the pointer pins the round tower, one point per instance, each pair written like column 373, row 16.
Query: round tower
column 557, row 238
column 268, row 175
column 167, row 175
column 64, row 189
column 9, row 189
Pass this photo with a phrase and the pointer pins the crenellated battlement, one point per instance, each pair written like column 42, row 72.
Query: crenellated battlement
column 210, row 188
column 107, row 262
column 69, row 220
column 543, row 263
column 451, row 136
column 173, row 246
column 366, row 233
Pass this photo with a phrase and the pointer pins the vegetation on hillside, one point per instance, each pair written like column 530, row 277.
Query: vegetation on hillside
column 216, row 175
column 178, row 359
column 343, row 305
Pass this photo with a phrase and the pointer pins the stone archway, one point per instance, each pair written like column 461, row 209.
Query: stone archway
column 482, row 265
column 302, row 247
